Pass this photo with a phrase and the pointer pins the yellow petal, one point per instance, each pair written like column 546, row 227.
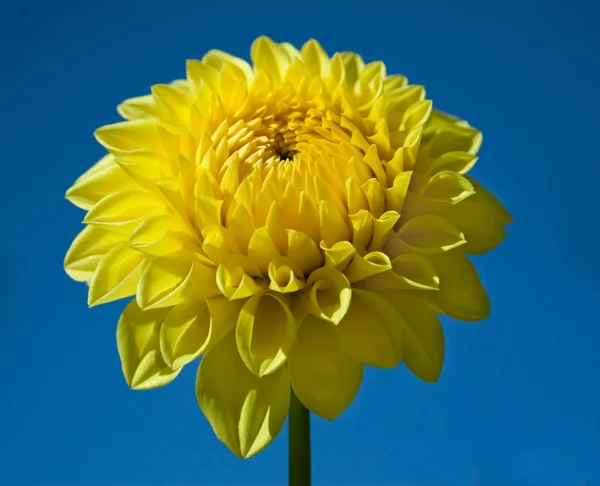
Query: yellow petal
column 138, row 343
column 185, row 333
column 416, row 115
column 396, row 194
column 328, row 294
column 246, row 412
column 309, row 218
column 163, row 234
column 143, row 106
column 284, row 277
column 324, row 377
column 165, row 282
column 362, row 229
column 103, row 163
column 382, row 227
column 217, row 59
column 122, row 211
column 339, row 255
column 333, row 226
column 336, row 75
column 219, row 244
column 410, row 271
column 422, row 337
column 444, row 133
column 91, row 187
column 366, row 266
column 87, row 250
column 459, row 162
column 201, row 75
column 193, row 328
column 430, row 234
column 208, row 210
column 265, row 332
column 233, row 88
column 482, row 230
column 371, row 330
column 116, row 276
column 130, row 135
column 303, row 251
column 460, row 294
column 393, row 82
column 399, row 100
column 375, row 196
column 172, row 105
column 356, row 197
column 234, row 283
column 270, row 57
column 372, row 160
column 138, row 107
column 447, row 187
column 491, row 203
column 315, row 58
column 262, row 249
column 146, row 167
column 240, row 218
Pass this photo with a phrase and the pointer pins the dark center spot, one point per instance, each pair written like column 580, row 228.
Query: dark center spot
column 285, row 153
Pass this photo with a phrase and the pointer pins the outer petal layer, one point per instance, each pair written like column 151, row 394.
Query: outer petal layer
column 324, row 377
column 246, row 412
column 138, row 343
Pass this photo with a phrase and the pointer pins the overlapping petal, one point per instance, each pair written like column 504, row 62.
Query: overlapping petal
column 246, row 411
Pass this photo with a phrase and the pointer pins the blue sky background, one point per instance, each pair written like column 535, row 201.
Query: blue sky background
column 518, row 403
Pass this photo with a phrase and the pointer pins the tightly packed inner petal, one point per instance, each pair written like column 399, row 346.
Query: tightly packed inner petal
column 295, row 219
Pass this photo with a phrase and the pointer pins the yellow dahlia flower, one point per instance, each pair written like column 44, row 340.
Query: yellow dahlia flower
column 292, row 222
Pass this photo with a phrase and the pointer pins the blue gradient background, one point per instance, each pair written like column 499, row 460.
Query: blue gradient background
column 518, row 401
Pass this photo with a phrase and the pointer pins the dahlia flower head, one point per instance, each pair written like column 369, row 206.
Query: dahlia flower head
column 290, row 221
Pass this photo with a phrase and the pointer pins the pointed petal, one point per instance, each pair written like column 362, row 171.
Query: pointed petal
column 315, row 58
column 193, row 328
column 371, row 330
column 422, row 337
column 130, row 135
column 339, row 255
column 324, row 377
column 217, row 59
column 162, row 235
column 366, row 266
column 460, row 294
column 138, row 343
column 447, row 187
column 185, row 333
column 122, row 211
column 138, row 107
column 303, row 251
column 246, row 412
column 166, row 282
column 328, row 294
column 116, row 276
column 270, row 57
column 87, row 250
column 234, row 283
column 333, row 226
column 430, row 234
column 265, row 332
column 285, row 276
column 482, row 218
column 91, row 187
column 444, row 133
column 410, row 271
column 482, row 230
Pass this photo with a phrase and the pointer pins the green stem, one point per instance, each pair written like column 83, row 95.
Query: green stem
column 299, row 446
